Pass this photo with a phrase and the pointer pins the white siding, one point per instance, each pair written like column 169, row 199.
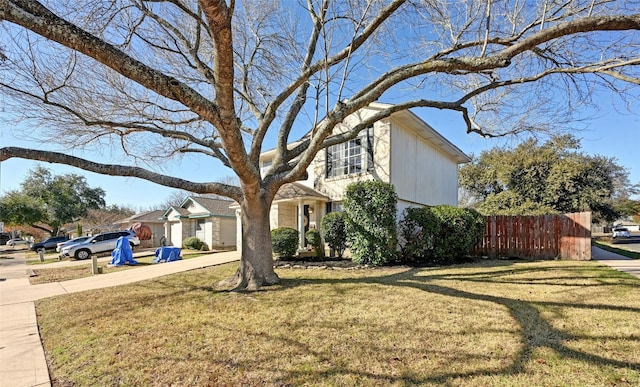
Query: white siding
column 227, row 232
column 421, row 173
column 176, row 234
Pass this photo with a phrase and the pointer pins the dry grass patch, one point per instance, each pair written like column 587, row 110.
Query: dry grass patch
column 82, row 270
column 491, row 323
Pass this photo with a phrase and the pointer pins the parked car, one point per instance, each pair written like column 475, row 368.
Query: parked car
column 101, row 243
column 16, row 241
column 70, row 242
column 621, row 232
column 4, row 238
column 48, row 244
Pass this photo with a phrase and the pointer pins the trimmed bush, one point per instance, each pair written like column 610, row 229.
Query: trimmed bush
column 440, row 234
column 334, row 231
column 370, row 209
column 315, row 240
column 417, row 229
column 193, row 243
column 284, row 241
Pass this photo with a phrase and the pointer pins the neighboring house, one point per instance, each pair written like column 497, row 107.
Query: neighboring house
column 402, row 150
column 629, row 225
column 153, row 219
column 210, row 220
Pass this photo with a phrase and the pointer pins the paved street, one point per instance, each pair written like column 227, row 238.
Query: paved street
column 632, row 243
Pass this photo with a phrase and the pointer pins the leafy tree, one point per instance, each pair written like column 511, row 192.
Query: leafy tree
column 552, row 177
column 48, row 200
column 629, row 208
column 17, row 208
column 151, row 80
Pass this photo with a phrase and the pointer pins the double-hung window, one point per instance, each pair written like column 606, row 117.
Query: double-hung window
column 351, row 157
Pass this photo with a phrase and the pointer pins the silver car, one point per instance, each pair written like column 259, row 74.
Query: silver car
column 16, row 242
column 70, row 242
column 621, row 232
column 101, row 243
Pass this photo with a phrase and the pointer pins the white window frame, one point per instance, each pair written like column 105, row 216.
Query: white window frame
column 351, row 157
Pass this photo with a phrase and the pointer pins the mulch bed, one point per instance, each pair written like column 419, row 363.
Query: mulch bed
column 314, row 263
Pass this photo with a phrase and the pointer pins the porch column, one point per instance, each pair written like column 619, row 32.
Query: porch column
column 301, row 224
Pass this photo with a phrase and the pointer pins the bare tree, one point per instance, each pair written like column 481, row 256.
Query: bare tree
column 145, row 80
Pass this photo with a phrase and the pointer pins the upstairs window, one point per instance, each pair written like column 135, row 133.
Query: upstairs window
column 264, row 166
column 351, row 157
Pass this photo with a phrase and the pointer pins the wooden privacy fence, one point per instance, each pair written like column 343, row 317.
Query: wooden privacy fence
column 566, row 236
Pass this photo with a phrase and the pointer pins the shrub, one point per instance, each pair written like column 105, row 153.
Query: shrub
column 193, row 243
column 334, row 231
column 440, row 234
column 370, row 209
column 284, row 241
column 315, row 240
column 460, row 230
column 417, row 229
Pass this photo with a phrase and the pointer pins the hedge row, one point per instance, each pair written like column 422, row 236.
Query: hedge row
column 432, row 234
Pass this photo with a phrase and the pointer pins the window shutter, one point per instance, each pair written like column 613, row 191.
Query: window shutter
column 370, row 149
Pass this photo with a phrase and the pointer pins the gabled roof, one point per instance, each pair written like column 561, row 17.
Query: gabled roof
column 294, row 191
column 178, row 209
column 211, row 206
column 149, row 217
column 298, row 191
column 214, row 206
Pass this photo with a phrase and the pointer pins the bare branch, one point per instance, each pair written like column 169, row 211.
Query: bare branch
column 120, row 170
column 33, row 16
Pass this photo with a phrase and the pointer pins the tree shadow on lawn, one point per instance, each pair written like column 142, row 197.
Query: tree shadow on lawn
column 536, row 331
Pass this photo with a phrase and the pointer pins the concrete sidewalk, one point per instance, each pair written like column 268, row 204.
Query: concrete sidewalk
column 22, row 360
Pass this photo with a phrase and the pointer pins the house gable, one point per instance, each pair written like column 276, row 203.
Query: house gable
column 175, row 213
column 206, row 207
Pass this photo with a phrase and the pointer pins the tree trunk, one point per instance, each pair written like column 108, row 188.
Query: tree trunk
column 256, row 263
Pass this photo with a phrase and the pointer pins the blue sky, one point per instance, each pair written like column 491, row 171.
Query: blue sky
column 611, row 134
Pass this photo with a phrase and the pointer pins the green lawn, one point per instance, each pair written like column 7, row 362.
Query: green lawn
column 495, row 323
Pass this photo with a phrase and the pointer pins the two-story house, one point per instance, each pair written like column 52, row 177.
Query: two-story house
column 402, row 150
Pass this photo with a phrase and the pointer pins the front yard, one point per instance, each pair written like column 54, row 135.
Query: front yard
column 507, row 323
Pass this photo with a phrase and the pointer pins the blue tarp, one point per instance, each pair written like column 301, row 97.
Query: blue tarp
column 122, row 254
column 167, row 254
